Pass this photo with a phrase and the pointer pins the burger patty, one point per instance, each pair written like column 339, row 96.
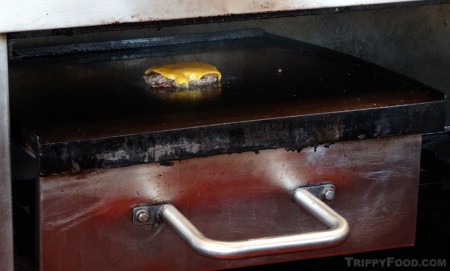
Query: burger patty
column 156, row 80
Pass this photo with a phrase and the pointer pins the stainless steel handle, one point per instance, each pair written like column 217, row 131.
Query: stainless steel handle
column 338, row 230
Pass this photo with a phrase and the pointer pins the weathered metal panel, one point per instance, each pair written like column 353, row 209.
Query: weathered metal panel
column 31, row 15
column 6, row 231
column 86, row 220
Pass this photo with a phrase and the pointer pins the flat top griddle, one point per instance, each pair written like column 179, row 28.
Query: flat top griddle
column 86, row 110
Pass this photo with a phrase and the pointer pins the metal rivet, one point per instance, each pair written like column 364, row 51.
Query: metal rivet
column 142, row 216
column 328, row 194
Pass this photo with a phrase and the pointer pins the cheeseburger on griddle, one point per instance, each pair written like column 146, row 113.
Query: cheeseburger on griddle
column 183, row 76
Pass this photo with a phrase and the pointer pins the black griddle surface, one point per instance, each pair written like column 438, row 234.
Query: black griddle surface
column 275, row 92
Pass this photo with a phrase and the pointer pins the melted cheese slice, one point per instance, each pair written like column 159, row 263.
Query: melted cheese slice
column 182, row 73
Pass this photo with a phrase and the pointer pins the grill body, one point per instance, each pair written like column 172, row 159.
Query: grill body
column 287, row 115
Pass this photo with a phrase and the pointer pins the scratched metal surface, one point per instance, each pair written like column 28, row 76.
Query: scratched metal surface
column 6, row 223
column 94, row 110
column 85, row 218
column 28, row 15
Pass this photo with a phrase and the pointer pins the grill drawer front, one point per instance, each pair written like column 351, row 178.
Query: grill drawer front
column 86, row 218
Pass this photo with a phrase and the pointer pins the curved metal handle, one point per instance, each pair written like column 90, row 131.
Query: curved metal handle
column 338, row 230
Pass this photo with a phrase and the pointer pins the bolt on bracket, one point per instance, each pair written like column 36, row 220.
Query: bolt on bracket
column 146, row 214
column 324, row 191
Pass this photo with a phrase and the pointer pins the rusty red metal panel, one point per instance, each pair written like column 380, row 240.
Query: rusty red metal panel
column 85, row 218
